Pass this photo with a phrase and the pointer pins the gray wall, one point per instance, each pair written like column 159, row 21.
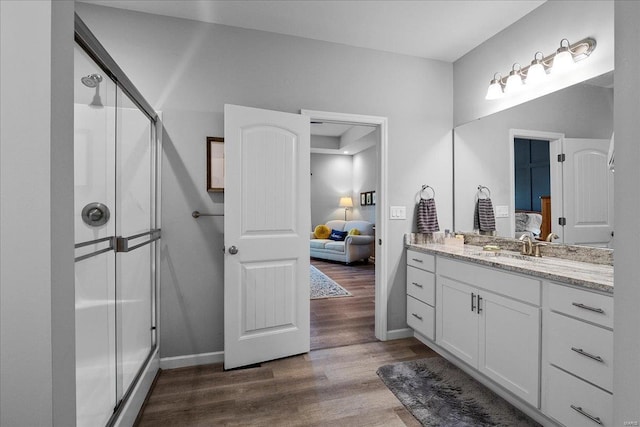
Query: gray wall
column 626, row 339
column 189, row 70
column 364, row 179
column 332, row 178
column 482, row 146
column 540, row 30
column 335, row 176
column 37, row 299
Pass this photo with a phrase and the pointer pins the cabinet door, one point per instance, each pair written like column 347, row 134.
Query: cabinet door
column 457, row 320
column 510, row 345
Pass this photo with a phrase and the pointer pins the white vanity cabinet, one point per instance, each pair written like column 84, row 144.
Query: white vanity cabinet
column 421, row 293
column 577, row 356
column 491, row 320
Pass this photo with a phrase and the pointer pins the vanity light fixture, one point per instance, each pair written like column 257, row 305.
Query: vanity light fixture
column 555, row 63
column 495, row 87
column 537, row 72
column 563, row 59
column 515, row 81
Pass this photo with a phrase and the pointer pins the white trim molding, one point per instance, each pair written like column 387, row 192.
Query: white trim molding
column 191, row 360
column 382, row 293
column 555, row 147
column 398, row 334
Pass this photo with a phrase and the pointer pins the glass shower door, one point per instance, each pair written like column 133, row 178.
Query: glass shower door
column 95, row 226
column 115, row 154
column 135, row 189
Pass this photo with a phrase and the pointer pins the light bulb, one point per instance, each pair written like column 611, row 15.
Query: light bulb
column 495, row 88
column 563, row 61
column 514, row 81
column 536, row 74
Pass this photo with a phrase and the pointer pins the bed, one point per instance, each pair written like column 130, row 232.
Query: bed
column 536, row 225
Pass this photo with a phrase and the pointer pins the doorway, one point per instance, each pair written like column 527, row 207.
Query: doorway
column 380, row 312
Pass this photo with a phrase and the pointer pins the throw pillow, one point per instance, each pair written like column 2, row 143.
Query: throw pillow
column 338, row 236
column 354, row 232
column 322, row 231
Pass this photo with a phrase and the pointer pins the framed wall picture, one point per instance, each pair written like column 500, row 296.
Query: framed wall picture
column 363, row 199
column 215, row 164
column 369, row 201
column 373, row 197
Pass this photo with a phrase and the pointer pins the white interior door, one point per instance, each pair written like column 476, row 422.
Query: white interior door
column 266, row 232
column 588, row 192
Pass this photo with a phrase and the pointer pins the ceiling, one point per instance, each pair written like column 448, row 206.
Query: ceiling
column 435, row 29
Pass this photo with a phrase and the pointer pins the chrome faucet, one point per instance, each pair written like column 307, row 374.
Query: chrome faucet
column 527, row 245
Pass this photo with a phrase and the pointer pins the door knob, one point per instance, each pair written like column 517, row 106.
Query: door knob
column 233, row 250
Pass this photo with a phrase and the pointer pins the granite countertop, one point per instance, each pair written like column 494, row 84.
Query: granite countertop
column 583, row 274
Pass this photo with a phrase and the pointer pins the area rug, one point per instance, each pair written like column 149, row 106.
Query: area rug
column 439, row 394
column 323, row 287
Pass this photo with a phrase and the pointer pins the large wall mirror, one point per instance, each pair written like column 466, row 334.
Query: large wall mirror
column 515, row 154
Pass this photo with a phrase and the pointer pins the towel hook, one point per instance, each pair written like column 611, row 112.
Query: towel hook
column 481, row 190
column 424, row 187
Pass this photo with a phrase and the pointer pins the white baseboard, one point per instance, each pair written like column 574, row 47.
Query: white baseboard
column 398, row 334
column 191, row 360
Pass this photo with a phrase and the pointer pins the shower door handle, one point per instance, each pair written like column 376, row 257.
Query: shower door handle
column 122, row 243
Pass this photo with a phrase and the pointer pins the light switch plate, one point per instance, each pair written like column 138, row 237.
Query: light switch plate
column 398, row 212
column 502, row 211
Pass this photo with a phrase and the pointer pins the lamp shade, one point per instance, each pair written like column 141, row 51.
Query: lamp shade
column 346, row 202
column 536, row 74
column 494, row 91
column 563, row 61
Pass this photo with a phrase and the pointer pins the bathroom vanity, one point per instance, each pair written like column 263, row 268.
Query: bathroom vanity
column 537, row 331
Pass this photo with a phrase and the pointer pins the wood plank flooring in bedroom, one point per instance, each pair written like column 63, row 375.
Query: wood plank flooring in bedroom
column 334, row 384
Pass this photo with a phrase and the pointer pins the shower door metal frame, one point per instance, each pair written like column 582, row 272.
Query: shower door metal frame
column 94, row 49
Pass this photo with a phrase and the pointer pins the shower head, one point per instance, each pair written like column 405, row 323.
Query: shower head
column 92, row 80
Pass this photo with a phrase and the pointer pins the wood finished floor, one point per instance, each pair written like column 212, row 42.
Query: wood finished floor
column 333, row 385
column 348, row 320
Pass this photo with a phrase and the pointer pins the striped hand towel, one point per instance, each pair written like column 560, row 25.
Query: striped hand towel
column 483, row 217
column 427, row 216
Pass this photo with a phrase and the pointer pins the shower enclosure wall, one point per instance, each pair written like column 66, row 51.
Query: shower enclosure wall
column 116, row 232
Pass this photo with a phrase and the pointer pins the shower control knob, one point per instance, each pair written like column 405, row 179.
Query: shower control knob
column 233, row 250
column 95, row 214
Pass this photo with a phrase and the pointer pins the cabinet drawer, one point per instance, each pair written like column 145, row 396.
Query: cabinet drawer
column 514, row 286
column 421, row 285
column 421, row 317
column 582, row 349
column 585, row 305
column 573, row 401
column 421, row 260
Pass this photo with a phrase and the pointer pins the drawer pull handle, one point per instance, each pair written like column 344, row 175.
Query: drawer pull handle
column 586, row 307
column 416, row 316
column 473, row 302
column 589, row 355
column 581, row 411
column 479, row 301
column 417, row 260
column 417, row 284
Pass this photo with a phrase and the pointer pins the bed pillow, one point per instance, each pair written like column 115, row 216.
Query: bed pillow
column 321, row 231
column 338, row 236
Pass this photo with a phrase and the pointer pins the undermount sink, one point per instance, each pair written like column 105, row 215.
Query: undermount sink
column 501, row 254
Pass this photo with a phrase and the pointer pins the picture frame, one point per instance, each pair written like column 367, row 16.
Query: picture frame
column 369, row 201
column 363, row 199
column 215, row 164
column 373, row 197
